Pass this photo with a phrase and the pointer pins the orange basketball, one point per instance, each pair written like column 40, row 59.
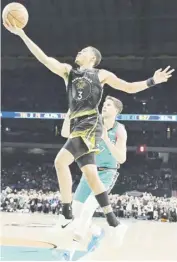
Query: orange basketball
column 16, row 12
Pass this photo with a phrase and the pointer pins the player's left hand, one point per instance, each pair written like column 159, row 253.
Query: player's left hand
column 105, row 134
column 162, row 76
column 13, row 28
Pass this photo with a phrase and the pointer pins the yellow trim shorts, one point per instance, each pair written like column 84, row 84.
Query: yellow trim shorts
column 85, row 134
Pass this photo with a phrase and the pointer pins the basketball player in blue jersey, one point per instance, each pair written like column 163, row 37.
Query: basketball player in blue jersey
column 112, row 153
column 84, row 89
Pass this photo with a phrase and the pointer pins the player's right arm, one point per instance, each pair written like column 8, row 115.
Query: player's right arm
column 52, row 64
column 112, row 80
column 118, row 150
column 65, row 131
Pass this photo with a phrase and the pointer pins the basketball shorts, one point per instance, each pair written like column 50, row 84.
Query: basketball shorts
column 108, row 177
column 85, row 134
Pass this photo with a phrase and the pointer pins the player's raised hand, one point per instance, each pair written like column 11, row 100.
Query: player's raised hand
column 12, row 27
column 162, row 76
column 105, row 134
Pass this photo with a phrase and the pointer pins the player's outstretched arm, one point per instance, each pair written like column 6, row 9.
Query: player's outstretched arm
column 111, row 79
column 65, row 131
column 52, row 64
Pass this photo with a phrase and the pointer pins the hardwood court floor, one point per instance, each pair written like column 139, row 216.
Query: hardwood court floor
column 33, row 237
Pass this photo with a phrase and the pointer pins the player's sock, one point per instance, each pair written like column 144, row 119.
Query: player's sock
column 83, row 213
column 103, row 201
column 77, row 208
column 67, row 210
column 82, row 224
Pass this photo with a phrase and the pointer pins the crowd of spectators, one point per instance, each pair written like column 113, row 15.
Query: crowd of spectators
column 28, row 176
column 26, row 201
column 30, row 171
column 145, row 206
column 29, row 184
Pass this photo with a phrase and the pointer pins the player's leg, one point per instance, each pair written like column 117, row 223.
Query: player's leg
column 88, row 167
column 81, row 214
column 73, row 148
column 85, row 207
column 80, row 196
column 84, row 203
column 62, row 161
column 84, row 210
column 79, row 225
column 109, row 178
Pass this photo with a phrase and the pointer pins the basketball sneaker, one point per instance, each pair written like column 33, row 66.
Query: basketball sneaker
column 118, row 234
column 95, row 241
column 91, row 246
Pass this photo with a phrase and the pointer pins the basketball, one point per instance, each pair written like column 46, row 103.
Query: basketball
column 16, row 12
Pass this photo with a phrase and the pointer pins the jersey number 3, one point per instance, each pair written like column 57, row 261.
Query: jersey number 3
column 80, row 95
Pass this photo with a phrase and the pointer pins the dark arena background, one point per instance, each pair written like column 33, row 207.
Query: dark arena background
column 135, row 37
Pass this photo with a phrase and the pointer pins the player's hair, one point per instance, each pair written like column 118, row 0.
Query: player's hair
column 97, row 54
column 117, row 103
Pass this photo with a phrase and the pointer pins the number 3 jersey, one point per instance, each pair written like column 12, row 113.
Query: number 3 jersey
column 84, row 92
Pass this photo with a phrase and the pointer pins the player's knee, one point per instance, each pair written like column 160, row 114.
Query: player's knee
column 90, row 173
column 90, row 180
column 57, row 162
column 60, row 163
column 62, row 160
column 93, row 180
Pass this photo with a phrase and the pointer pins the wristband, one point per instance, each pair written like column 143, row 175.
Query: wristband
column 150, row 82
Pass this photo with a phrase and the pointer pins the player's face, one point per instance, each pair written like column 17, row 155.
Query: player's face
column 84, row 57
column 109, row 109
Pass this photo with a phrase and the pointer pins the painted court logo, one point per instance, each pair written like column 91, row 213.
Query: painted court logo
column 14, row 249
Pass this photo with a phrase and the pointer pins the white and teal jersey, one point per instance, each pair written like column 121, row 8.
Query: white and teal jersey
column 105, row 158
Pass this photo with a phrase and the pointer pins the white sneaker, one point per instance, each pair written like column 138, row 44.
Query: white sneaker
column 61, row 223
column 80, row 233
column 118, row 234
column 63, row 231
